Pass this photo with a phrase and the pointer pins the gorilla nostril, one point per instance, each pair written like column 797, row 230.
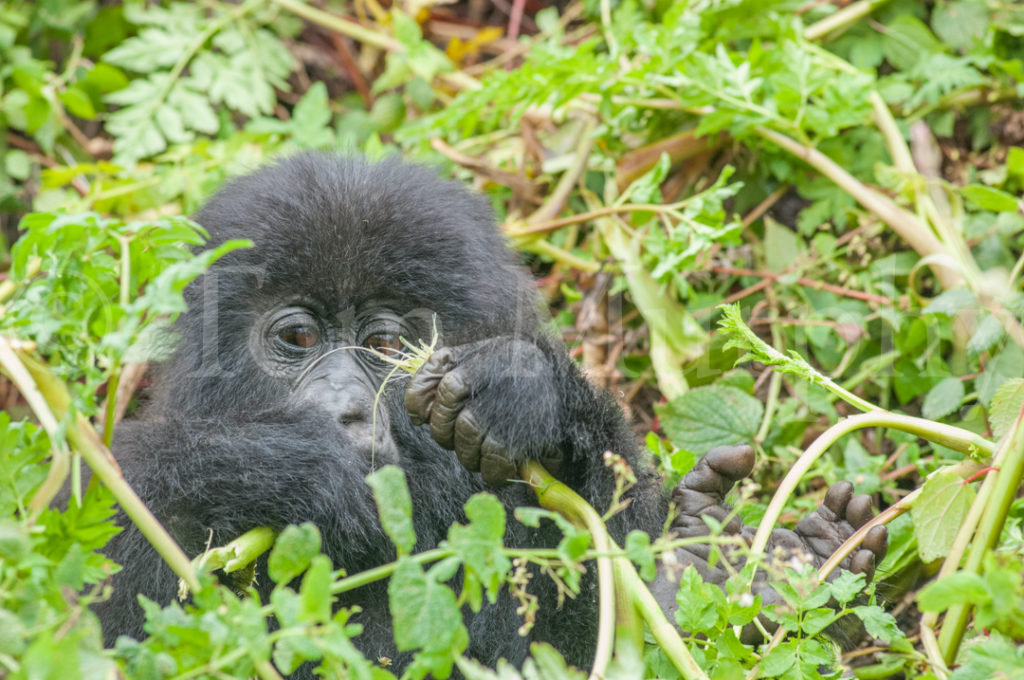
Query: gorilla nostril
column 352, row 416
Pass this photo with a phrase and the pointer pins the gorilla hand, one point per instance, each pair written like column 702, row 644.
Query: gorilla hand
column 494, row 403
column 702, row 492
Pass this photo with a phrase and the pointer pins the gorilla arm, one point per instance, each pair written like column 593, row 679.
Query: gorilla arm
column 202, row 477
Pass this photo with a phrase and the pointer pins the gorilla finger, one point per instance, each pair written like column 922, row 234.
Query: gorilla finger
column 717, row 471
column 863, row 562
column 495, row 466
column 859, row 511
column 696, row 504
column 419, row 395
column 836, row 498
column 732, row 462
column 877, row 541
column 469, row 436
column 452, row 393
column 786, row 540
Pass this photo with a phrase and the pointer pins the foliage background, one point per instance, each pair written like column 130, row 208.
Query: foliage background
column 849, row 173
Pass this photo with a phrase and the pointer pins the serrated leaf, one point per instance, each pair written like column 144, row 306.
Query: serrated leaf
column 1005, row 406
column 479, row 543
column 906, row 40
column 293, row 551
column 394, row 506
column 939, row 512
column 425, row 613
column 1008, row 364
column 711, row 416
column 152, row 49
column 943, row 399
column 985, row 336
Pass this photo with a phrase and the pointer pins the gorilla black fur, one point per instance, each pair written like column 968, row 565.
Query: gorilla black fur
column 230, row 442
column 265, row 414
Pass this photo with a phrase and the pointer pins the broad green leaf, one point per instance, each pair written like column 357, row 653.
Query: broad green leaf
column 293, row 551
column 781, row 246
column 1008, row 364
column 1006, row 405
column 394, row 506
column 950, row 302
column 939, row 512
column 711, row 416
column 479, row 543
column 315, row 593
column 906, row 40
column 990, row 198
column 424, row 611
column 943, row 399
column 985, row 336
column 963, row 587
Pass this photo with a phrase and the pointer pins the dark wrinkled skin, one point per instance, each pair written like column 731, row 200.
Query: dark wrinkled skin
column 264, row 414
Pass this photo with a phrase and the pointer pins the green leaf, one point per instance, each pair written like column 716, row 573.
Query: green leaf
column 878, row 622
column 479, row 544
column 939, row 512
column 78, row 103
column 781, row 246
column 424, row 611
column 951, row 302
column 152, row 49
column 988, row 332
column 293, row 551
column 394, row 506
column 711, row 416
column 1007, row 365
column 638, row 549
column 962, row 587
column 990, row 198
column 906, row 40
column 1006, row 405
column 943, row 399
column 315, row 594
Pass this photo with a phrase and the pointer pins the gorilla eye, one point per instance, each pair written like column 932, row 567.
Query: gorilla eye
column 300, row 336
column 387, row 343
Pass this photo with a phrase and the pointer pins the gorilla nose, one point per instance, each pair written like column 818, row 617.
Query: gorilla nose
column 352, row 411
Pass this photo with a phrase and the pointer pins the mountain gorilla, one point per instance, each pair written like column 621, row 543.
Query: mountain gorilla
column 264, row 414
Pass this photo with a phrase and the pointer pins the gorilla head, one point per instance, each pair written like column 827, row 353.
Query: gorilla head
column 346, row 254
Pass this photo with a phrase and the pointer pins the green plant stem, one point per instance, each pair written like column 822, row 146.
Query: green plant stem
column 996, row 507
column 907, row 225
column 60, row 463
column 775, row 381
column 84, row 440
column 111, row 407
column 10, row 286
column 238, row 553
column 843, row 18
column 554, row 495
column 383, row 571
column 951, row 437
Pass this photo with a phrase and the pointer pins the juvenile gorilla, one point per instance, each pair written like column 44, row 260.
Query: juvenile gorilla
column 264, row 415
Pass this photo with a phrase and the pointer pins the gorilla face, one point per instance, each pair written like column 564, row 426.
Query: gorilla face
column 333, row 362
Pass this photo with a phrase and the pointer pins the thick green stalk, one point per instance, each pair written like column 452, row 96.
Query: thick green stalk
column 84, row 440
column 997, row 506
column 946, row 435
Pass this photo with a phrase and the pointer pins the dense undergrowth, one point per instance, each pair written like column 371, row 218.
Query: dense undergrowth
column 848, row 175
